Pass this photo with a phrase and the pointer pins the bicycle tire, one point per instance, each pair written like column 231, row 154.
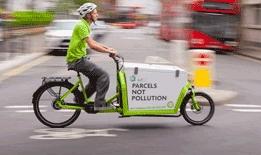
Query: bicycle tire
column 184, row 110
column 47, row 87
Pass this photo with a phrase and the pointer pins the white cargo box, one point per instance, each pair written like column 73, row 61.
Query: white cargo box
column 153, row 87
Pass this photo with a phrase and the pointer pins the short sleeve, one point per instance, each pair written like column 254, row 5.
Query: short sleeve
column 83, row 31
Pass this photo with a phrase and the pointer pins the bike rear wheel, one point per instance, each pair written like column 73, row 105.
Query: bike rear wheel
column 203, row 114
column 48, row 112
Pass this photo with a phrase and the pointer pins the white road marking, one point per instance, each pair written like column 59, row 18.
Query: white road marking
column 25, row 111
column 247, row 110
column 42, row 111
column 21, row 106
column 73, row 133
column 29, row 109
column 243, row 105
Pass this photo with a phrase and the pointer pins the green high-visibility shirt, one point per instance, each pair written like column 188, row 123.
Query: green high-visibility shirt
column 78, row 46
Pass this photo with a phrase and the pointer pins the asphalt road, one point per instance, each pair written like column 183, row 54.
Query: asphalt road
column 234, row 129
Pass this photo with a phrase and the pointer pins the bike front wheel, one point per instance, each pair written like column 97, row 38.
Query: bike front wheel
column 204, row 112
column 46, row 109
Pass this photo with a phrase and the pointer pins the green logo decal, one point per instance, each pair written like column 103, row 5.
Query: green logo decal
column 170, row 104
column 132, row 78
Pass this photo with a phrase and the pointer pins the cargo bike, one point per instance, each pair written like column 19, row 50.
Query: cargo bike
column 141, row 90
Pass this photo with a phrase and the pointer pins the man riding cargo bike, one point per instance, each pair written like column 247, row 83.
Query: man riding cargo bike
column 78, row 60
column 141, row 89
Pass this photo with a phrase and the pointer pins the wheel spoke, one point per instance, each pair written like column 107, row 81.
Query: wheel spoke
column 47, row 111
column 203, row 114
column 52, row 92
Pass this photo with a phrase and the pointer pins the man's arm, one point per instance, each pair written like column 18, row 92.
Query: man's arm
column 99, row 47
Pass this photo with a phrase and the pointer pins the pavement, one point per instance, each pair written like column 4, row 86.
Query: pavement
column 17, row 60
column 251, row 52
column 24, row 46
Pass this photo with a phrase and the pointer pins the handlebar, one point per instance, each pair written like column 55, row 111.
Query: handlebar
column 117, row 59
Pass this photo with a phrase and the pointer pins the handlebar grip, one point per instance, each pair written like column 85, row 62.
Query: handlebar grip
column 116, row 55
column 110, row 55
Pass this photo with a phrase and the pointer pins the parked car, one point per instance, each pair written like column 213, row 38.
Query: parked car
column 58, row 35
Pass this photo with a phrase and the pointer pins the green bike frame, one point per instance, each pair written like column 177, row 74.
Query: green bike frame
column 122, row 96
column 60, row 103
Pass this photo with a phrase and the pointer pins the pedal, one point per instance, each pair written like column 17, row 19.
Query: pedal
column 117, row 105
column 89, row 108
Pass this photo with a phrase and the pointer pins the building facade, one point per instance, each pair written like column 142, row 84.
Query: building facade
column 151, row 7
column 251, row 23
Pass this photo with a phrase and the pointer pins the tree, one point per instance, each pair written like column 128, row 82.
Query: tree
column 65, row 6
column 80, row 2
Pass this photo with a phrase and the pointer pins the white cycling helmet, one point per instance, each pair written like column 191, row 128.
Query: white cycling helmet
column 86, row 8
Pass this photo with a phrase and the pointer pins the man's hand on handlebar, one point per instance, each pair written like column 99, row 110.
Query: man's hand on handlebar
column 113, row 52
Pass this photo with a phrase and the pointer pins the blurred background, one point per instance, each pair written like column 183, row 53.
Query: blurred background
column 153, row 31
column 46, row 25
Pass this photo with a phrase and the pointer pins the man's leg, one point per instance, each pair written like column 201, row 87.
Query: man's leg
column 99, row 80
column 102, row 86
column 90, row 88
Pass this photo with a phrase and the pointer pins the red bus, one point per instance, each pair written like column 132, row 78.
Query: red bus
column 214, row 25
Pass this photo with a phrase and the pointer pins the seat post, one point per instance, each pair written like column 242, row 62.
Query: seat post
column 78, row 74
